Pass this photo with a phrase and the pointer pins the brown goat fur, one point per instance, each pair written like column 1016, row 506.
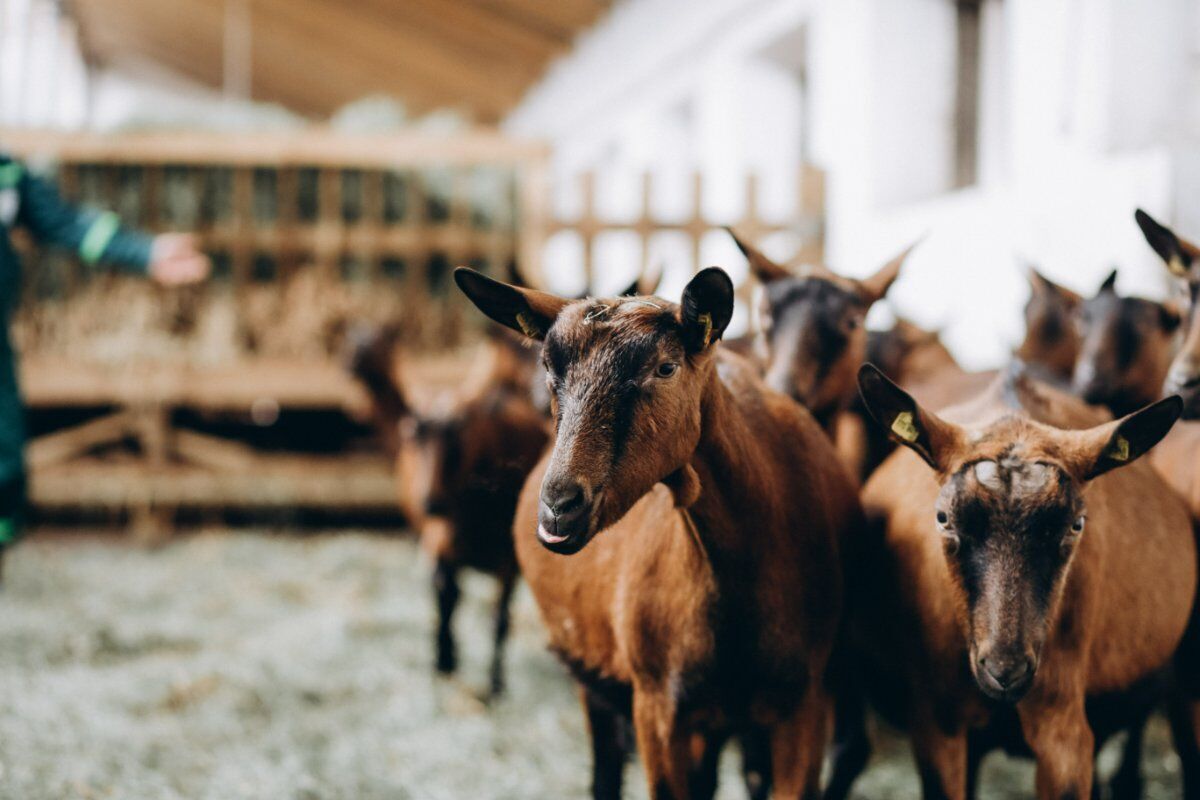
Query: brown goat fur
column 682, row 538
column 991, row 593
column 459, row 471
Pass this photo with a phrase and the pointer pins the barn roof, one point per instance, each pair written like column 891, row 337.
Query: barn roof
column 314, row 56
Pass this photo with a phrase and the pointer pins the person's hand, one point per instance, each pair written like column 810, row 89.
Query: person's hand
column 176, row 260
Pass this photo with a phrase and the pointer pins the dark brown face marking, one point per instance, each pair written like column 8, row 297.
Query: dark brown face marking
column 1010, row 526
column 815, row 339
column 1125, row 345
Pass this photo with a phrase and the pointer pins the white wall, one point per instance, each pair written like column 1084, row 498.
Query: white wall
column 1088, row 109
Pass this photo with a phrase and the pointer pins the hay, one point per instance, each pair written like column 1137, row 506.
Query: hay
column 119, row 320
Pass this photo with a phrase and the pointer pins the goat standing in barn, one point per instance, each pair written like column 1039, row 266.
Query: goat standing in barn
column 682, row 537
column 458, row 475
column 1020, row 584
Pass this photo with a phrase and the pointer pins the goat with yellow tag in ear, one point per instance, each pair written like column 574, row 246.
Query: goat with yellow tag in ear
column 1038, row 553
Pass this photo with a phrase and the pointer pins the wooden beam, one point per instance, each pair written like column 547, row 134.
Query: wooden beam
column 64, row 445
column 343, row 483
column 308, row 148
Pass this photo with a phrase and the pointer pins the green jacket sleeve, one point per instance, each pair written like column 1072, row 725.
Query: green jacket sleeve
column 98, row 237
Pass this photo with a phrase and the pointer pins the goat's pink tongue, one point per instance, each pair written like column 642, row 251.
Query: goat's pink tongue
column 547, row 536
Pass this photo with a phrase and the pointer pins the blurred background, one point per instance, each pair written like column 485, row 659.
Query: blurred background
column 337, row 160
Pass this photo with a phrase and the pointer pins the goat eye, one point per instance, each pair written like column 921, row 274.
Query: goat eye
column 943, row 519
column 666, row 369
column 852, row 323
column 1077, row 525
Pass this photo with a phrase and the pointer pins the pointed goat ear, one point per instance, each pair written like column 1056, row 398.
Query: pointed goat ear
column 706, row 308
column 526, row 311
column 1178, row 254
column 1044, row 286
column 1095, row 451
column 877, row 285
column 763, row 268
column 1110, row 283
column 936, row 441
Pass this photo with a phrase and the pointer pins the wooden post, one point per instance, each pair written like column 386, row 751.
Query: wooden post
column 287, row 190
column 812, row 214
column 371, row 223
column 645, row 224
column 533, row 210
column 697, row 226
column 330, row 226
column 588, row 227
column 241, row 247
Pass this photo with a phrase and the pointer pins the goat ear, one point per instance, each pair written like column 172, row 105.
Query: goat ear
column 1110, row 283
column 1044, row 286
column 526, row 311
column 706, row 308
column 1095, row 451
column 1178, row 254
column 877, row 285
column 936, row 441
column 763, row 268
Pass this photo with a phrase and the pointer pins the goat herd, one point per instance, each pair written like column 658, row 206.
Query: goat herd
column 724, row 548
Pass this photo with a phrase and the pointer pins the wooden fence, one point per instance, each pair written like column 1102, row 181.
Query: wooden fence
column 806, row 222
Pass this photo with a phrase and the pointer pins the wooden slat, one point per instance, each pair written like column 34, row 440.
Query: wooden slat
column 314, row 147
column 346, row 484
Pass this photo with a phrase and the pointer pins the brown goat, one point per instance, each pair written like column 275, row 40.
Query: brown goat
column 682, row 537
column 814, row 336
column 992, row 606
column 458, row 476
column 1051, row 343
column 1183, row 260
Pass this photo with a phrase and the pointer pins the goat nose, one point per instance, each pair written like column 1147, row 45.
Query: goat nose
column 563, row 496
column 1007, row 672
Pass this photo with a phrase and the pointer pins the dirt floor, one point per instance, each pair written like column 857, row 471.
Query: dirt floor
column 266, row 666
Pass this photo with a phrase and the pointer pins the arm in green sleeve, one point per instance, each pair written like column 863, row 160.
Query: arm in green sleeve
column 98, row 237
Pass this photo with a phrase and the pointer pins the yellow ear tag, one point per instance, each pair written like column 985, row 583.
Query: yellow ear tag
column 527, row 326
column 1119, row 450
column 1175, row 265
column 706, row 320
column 903, row 426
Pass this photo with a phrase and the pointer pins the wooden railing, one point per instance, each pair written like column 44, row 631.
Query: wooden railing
column 806, row 220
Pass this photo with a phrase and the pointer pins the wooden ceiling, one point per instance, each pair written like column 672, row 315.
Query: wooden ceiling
column 314, row 56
